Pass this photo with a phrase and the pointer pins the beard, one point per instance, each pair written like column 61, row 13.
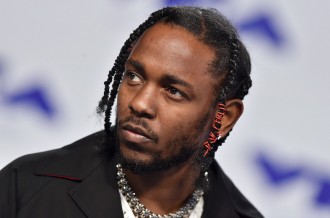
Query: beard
column 189, row 148
column 156, row 163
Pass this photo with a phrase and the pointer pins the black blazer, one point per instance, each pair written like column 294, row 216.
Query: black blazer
column 79, row 180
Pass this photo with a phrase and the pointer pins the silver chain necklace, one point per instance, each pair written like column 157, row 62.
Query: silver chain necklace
column 140, row 211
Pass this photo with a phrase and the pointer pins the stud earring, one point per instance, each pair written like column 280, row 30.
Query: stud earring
column 219, row 136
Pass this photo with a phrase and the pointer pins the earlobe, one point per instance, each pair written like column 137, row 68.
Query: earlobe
column 234, row 109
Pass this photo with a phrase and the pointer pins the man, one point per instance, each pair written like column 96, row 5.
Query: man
column 181, row 78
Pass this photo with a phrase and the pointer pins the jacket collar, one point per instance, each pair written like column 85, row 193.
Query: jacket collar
column 217, row 200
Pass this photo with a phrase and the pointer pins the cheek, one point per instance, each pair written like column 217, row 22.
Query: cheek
column 174, row 122
column 122, row 101
column 185, row 125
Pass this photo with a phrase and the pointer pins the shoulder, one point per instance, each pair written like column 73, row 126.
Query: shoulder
column 82, row 148
column 74, row 161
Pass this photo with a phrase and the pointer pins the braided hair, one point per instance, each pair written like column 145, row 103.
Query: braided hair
column 231, row 66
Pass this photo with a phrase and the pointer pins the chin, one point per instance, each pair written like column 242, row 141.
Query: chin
column 135, row 155
column 137, row 162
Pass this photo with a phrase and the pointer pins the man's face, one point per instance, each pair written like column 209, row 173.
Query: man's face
column 166, row 99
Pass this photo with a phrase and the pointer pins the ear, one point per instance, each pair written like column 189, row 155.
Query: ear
column 234, row 109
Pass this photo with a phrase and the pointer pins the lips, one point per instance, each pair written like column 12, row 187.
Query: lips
column 136, row 134
column 136, row 130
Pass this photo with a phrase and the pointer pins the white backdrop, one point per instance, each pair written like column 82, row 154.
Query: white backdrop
column 55, row 55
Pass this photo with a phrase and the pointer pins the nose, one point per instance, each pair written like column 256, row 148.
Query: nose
column 144, row 103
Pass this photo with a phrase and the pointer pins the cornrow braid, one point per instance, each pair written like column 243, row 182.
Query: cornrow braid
column 237, row 81
column 242, row 82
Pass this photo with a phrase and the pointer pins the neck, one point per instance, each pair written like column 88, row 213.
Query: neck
column 166, row 191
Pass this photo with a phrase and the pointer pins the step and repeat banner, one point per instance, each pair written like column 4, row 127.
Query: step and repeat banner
column 55, row 55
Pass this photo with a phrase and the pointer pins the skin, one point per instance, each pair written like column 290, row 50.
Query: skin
column 168, row 87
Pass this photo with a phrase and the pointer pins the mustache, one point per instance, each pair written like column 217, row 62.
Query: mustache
column 139, row 123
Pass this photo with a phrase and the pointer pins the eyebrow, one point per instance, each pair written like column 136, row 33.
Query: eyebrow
column 176, row 80
column 168, row 78
column 139, row 66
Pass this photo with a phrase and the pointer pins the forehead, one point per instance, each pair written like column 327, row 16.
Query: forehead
column 178, row 46
column 171, row 49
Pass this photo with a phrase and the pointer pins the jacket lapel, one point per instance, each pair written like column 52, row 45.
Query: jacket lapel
column 97, row 195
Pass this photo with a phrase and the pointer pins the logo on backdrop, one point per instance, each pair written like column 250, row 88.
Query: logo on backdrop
column 278, row 174
column 33, row 95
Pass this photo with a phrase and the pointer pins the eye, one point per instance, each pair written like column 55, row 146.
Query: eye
column 175, row 93
column 132, row 78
